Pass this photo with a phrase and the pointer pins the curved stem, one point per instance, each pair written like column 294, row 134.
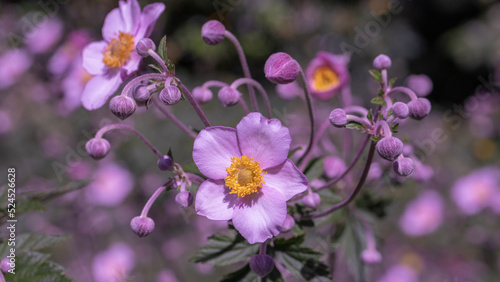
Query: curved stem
column 387, row 130
column 160, row 61
column 384, row 80
column 405, row 90
column 263, row 247
column 318, row 135
column 244, row 106
column 195, row 105
column 213, row 83
column 250, row 81
column 134, row 81
column 356, row 109
column 172, row 117
column 311, row 114
column 110, row 127
column 153, row 198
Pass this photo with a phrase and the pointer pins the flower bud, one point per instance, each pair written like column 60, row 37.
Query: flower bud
column 403, row 166
column 338, row 118
column 228, row 96
column 212, row 32
column 389, row 148
column 5, row 265
column 281, row 68
column 141, row 94
column 420, row 83
column 371, row 256
column 400, row 110
column 142, row 226
column 382, row 62
column 97, row 148
column 170, row 95
column 143, row 46
column 184, row 199
column 122, row 106
column 311, row 200
column 165, row 163
column 419, row 108
column 202, row 95
column 261, row 264
column 288, row 224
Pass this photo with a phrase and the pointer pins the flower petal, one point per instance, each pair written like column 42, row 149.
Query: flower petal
column 287, row 179
column 149, row 16
column 132, row 63
column 113, row 24
column 92, row 57
column 264, row 140
column 214, row 201
column 130, row 12
column 98, row 89
column 213, row 149
column 260, row 216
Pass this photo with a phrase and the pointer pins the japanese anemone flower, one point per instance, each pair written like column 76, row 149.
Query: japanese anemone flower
column 107, row 59
column 250, row 177
column 327, row 74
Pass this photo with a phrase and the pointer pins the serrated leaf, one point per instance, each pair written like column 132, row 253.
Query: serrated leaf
column 304, row 263
column 224, row 250
column 378, row 101
column 282, row 243
column 352, row 246
column 376, row 75
column 162, row 48
column 43, row 196
column 32, row 242
column 391, row 82
column 34, row 266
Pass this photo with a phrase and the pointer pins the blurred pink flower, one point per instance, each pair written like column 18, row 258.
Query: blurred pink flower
column 399, row 273
column 13, row 64
column 113, row 264
column 423, row 215
column 288, row 91
column 166, row 275
column 44, row 36
column 327, row 74
column 70, row 50
column 73, row 85
column 111, row 185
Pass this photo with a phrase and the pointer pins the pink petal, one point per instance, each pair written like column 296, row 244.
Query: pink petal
column 98, row 89
column 93, row 56
column 130, row 11
column 149, row 16
column 133, row 62
column 287, row 179
column 214, row 201
column 260, row 216
column 213, row 149
column 264, row 140
column 113, row 24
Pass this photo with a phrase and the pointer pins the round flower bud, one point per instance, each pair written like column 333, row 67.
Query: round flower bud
column 400, row 110
column 403, row 166
column 184, row 199
column 389, row 148
column 338, row 118
column 382, row 62
column 202, row 95
column 212, row 32
column 141, row 94
column 165, row 163
column 311, row 200
column 261, row 264
column 142, row 226
column 371, row 256
column 420, row 83
column 5, row 265
column 170, row 95
column 97, row 148
column 288, row 224
column 122, row 106
column 281, row 68
column 143, row 46
column 419, row 108
column 228, row 96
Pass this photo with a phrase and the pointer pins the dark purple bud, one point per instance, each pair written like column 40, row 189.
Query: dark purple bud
column 288, row 224
column 184, row 199
column 212, row 32
column 382, row 62
column 420, row 83
column 400, row 110
column 228, row 96
column 403, row 166
column 143, row 46
column 311, row 200
column 122, row 106
column 389, row 148
column 202, row 95
column 419, row 108
column 281, row 68
column 141, row 94
column 6, row 265
column 142, row 226
column 97, row 148
column 261, row 264
column 170, row 95
column 338, row 118
column 165, row 163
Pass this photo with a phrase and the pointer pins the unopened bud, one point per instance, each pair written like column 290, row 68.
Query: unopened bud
column 143, row 46
column 97, row 148
column 142, row 226
column 288, row 224
column 184, row 199
column 389, row 148
column 400, row 110
column 170, row 95
column 338, row 118
column 212, row 32
column 311, row 200
column 382, row 62
column 5, row 265
column 202, row 95
column 403, row 166
column 281, row 68
column 228, row 96
column 165, row 163
column 122, row 106
column 141, row 94
column 261, row 264
column 419, row 108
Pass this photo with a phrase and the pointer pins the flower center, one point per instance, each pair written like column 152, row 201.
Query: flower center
column 324, row 78
column 118, row 50
column 244, row 176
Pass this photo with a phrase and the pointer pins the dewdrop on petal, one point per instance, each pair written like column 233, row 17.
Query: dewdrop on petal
column 403, row 167
column 184, row 199
column 170, row 95
column 143, row 46
column 288, row 224
column 312, row 200
column 202, row 95
column 165, row 163
column 281, row 68
column 382, row 62
column 338, row 118
column 142, row 226
column 419, row 108
column 212, row 32
column 400, row 110
column 97, row 148
column 122, row 106
column 228, row 96
column 261, row 264
column 389, row 148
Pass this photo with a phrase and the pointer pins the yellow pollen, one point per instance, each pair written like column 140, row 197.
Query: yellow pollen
column 244, row 176
column 118, row 50
column 324, row 78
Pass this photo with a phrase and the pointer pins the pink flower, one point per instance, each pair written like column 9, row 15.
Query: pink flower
column 69, row 51
column 250, row 177
column 13, row 64
column 114, row 264
column 45, row 36
column 422, row 215
column 327, row 74
column 111, row 185
column 107, row 59
column 399, row 273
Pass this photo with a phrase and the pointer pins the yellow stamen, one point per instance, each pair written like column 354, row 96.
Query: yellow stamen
column 118, row 50
column 244, row 176
column 324, row 78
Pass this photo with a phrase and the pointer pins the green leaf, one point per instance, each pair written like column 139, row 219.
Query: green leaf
column 155, row 68
column 162, row 48
column 283, row 244
column 304, row 263
column 390, row 113
column 369, row 116
column 394, row 128
column 376, row 75
column 314, row 168
column 391, row 82
column 31, row 242
column 191, row 168
column 378, row 101
column 294, row 150
column 34, row 266
column 354, row 125
column 243, row 274
column 351, row 243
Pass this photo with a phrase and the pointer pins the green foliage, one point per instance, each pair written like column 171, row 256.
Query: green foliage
column 354, row 125
column 376, row 75
column 378, row 101
column 391, row 82
column 314, row 168
column 162, row 49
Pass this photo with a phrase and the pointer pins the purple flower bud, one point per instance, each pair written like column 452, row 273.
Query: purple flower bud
column 170, row 95
column 141, row 94
column 122, row 106
column 403, row 166
column 371, row 256
column 5, row 265
column 419, row 108
column 389, row 148
column 311, row 200
column 212, row 32
column 382, row 62
column 281, row 68
column 165, row 163
column 261, row 264
column 202, row 95
column 229, row 96
column 288, row 224
column 420, row 83
column 97, row 148
column 184, row 199
column 143, row 46
column 338, row 118
column 400, row 110
column 142, row 226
